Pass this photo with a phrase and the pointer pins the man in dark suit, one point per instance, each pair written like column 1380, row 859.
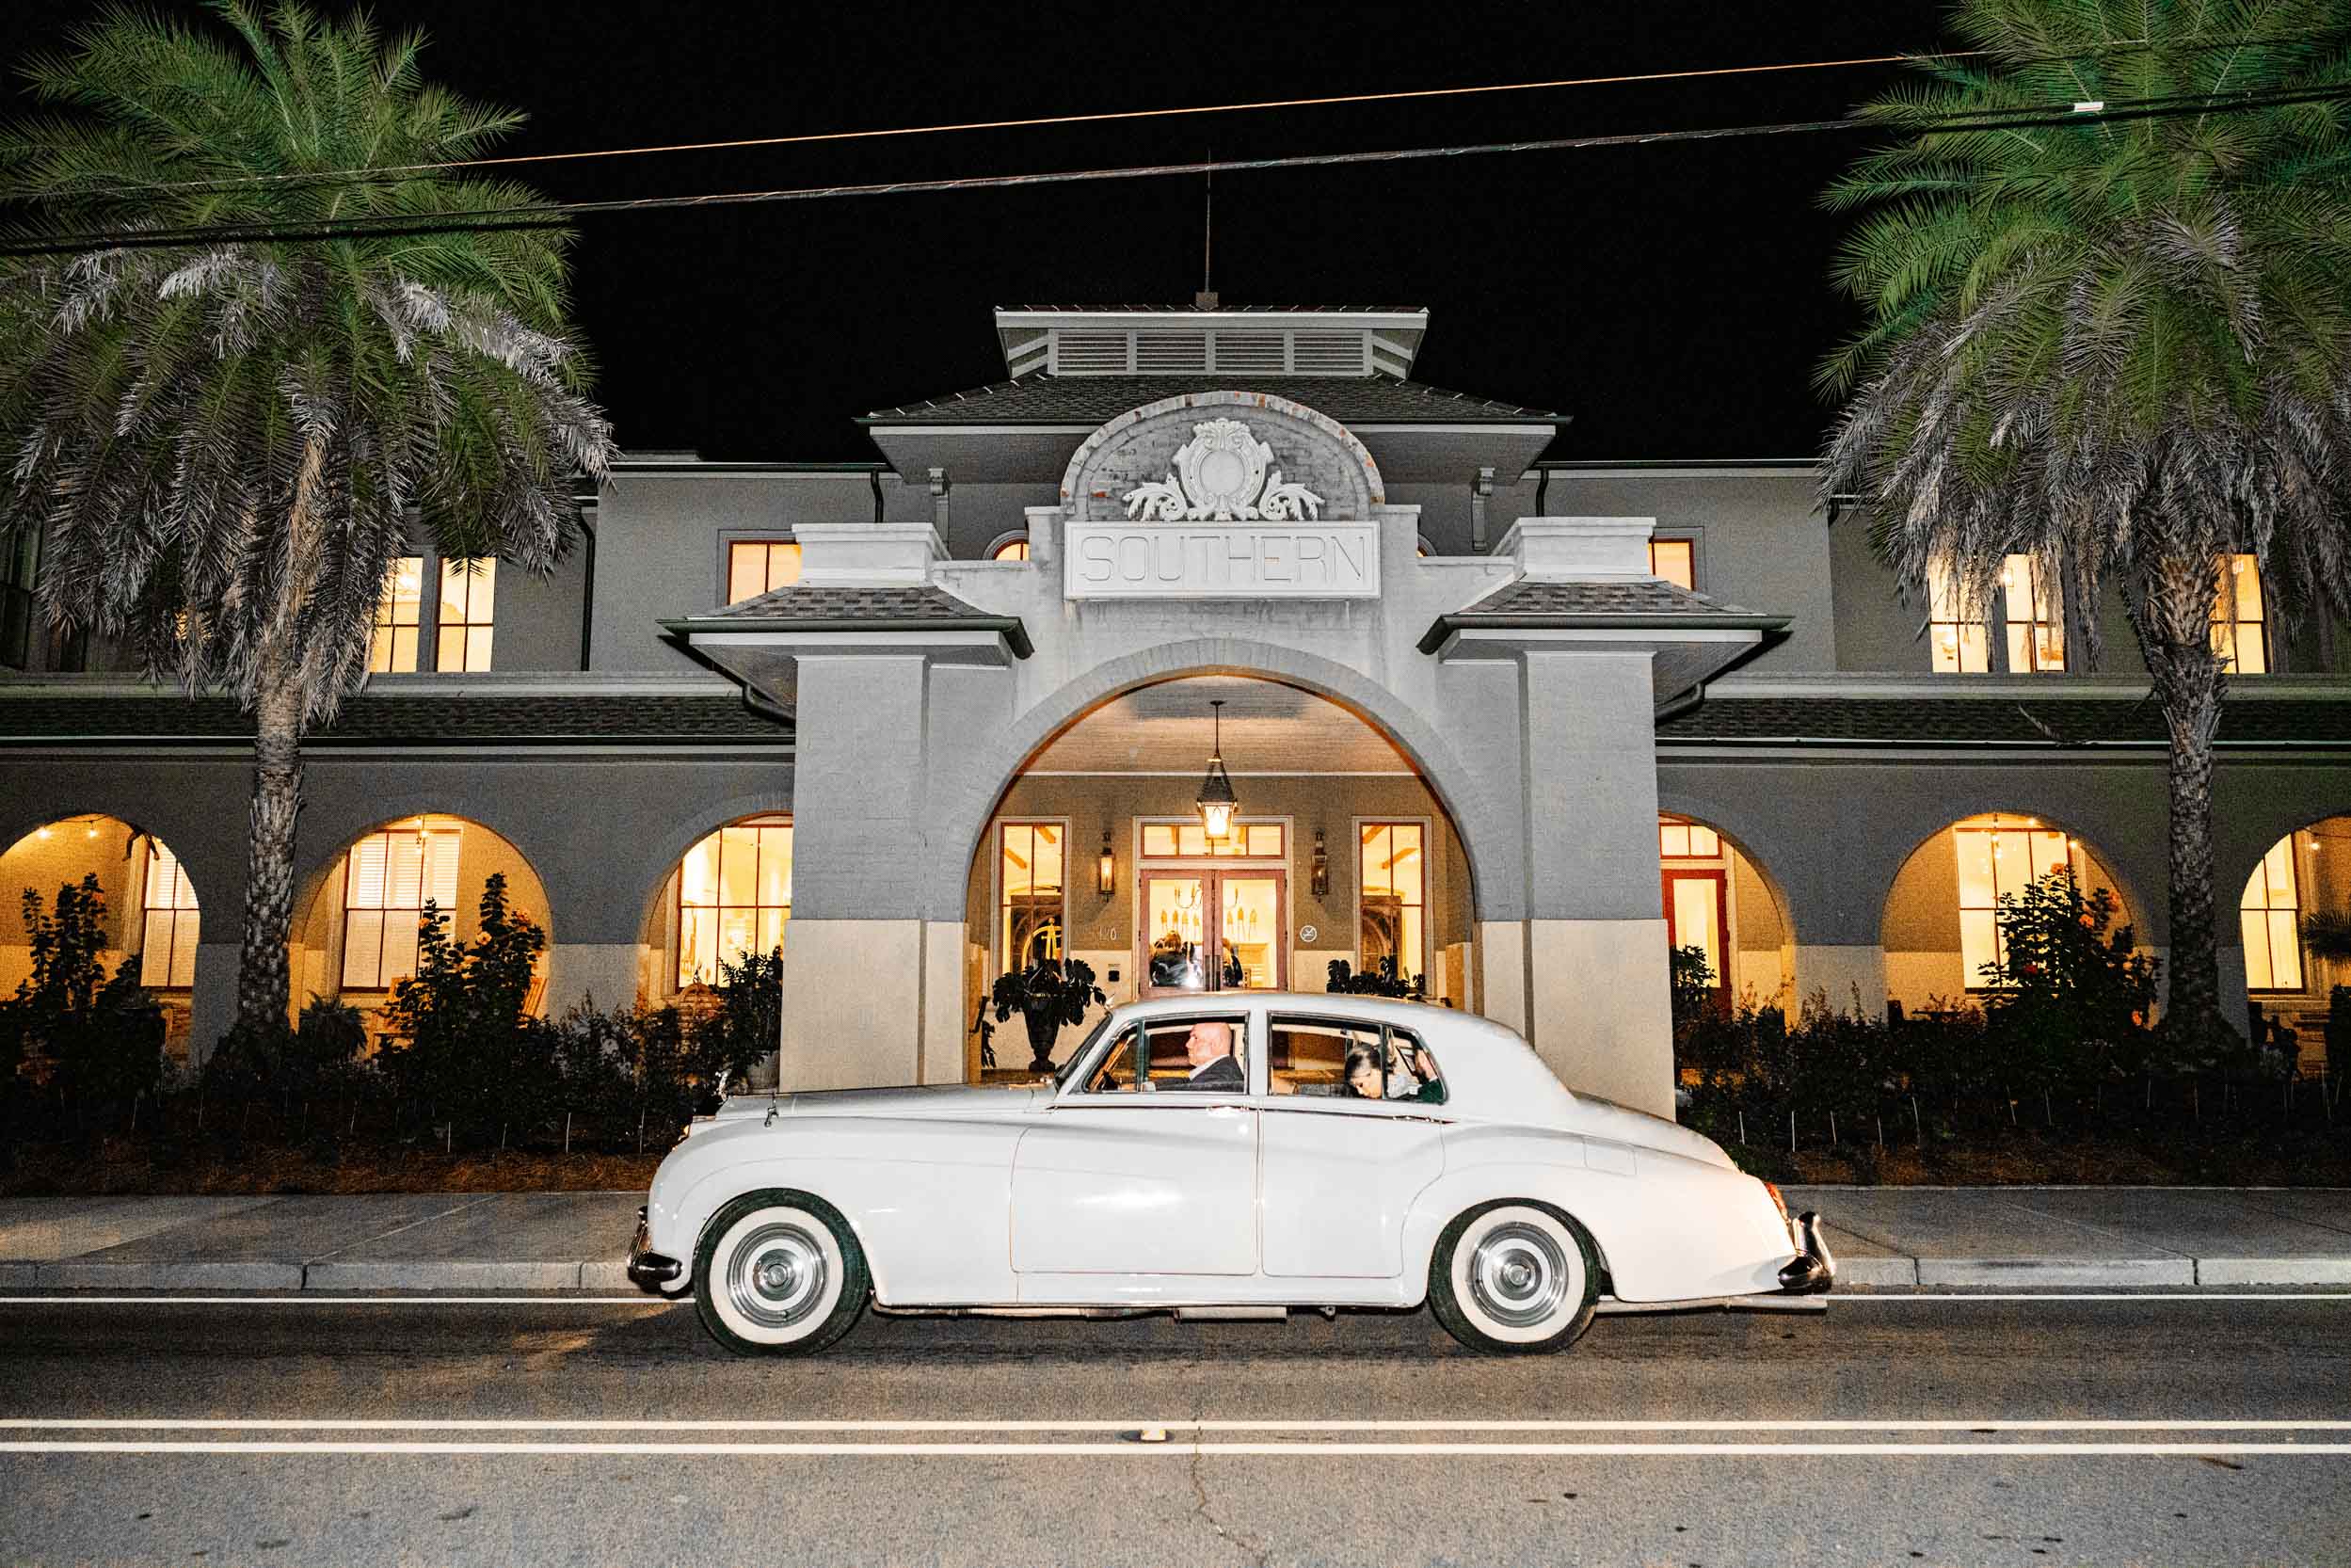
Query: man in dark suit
column 1210, row 1050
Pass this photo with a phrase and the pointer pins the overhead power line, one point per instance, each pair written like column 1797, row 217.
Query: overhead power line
column 395, row 172
column 557, row 214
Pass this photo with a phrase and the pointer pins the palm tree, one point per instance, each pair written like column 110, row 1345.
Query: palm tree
column 229, row 437
column 2116, row 340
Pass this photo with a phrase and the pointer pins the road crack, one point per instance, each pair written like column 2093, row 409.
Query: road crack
column 1254, row 1553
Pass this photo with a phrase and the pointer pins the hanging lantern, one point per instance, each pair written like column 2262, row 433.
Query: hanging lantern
column 1106, row 870
column 1217, row 802
column 1319, row 879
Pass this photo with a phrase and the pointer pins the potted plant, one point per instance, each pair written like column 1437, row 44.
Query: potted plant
column 1048, row 995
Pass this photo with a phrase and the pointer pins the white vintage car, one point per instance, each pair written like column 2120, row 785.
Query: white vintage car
column 1222, row 1155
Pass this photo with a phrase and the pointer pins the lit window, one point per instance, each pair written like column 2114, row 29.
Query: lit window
column 2240, row 627
column 398, row 617
column 1675, row 560
column 469, row 597
column 1030, row 919
column 2270, row 915
column 167, row 954
column 2000, row 856
column 387, row 880
column 1188, row 840
column 1391, row 910
column 1687, row 840
column 1960, row 647
column 734, row 896
column 755, row 566
column 2036, row 617
column 1014, row 549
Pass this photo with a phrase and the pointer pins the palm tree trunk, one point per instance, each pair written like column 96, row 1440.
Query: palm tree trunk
column 2188, row 684
column 263, row 985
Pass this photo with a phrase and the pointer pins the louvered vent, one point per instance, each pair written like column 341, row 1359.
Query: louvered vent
column 1091, row 353
column 1170, row 353
column 1327, row 353
column 1254, row 353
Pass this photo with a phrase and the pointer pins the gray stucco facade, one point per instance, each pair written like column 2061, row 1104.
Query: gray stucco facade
column 1499, row 620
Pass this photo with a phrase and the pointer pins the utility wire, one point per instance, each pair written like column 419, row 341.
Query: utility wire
column 557, row 214
column 395, row 172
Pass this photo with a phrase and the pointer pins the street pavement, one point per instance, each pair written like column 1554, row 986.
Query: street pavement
column 2014, row 1427
column 1882, row 1235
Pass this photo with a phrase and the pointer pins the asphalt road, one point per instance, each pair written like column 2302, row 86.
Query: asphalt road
column 1889, row 1431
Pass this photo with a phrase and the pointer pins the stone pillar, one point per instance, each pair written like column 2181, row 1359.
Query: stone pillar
column 601, row 973
column 854, row 971
column 1599, row 1002
column 213, row 1004
column 1838, row 970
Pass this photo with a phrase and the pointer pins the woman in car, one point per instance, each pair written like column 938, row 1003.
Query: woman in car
column 1364, row 1079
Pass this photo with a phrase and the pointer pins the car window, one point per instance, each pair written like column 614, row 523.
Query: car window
column 1337, row 1059
column 1159, row 1054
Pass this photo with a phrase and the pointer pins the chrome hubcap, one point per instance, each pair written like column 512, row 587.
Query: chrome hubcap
column 1519, row 1274
column 778, row 1274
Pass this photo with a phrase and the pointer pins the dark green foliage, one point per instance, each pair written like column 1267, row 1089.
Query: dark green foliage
column 95, row 1040
column 748, row 1023
column 2073, row 995
column 1380, row 982
column 1694, row 980
column 1050, row 994
column 464, row 1042
column 2328, row 934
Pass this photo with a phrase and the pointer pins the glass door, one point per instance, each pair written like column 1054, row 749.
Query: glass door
column 1213, row 931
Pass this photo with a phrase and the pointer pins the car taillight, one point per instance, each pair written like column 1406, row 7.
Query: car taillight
column 1777, row 1201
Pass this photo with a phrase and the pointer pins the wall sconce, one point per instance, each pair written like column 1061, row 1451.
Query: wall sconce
column 1319, row 879
column 1106, row 870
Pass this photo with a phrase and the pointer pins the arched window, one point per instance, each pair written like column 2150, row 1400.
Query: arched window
column 1011, row 547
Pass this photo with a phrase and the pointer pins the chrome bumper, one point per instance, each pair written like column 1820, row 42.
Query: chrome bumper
column 648, row 1269
column 1813, row 1269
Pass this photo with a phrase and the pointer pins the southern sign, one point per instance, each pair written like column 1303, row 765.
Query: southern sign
column 1222, row 560
column 1264, row 537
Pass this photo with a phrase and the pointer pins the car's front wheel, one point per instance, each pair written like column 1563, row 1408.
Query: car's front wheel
column 1515, row 1278
column 779, row 1272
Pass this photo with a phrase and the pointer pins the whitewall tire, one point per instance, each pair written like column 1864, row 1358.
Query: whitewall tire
column 779, row 1272
column 1515, row 1278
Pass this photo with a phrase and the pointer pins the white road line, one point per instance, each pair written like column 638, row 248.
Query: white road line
column 1100, row 1450
column 1845, row 1299
column 1141, row 1424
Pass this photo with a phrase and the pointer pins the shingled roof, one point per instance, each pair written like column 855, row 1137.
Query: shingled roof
column 808, row 607
column 2053, row 723
column 1046, row 399
column 379, row 717
column 1537, row 604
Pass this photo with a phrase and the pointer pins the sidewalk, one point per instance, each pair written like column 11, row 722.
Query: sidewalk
column 1883, row 1236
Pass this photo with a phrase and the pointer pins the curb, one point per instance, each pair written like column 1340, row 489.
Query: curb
column 462, row 1275
column 2273, row 1270
column 2056, row 1271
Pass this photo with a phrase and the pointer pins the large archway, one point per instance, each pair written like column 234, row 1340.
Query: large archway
column 1940, row 924
column 1720, row 901
column 357, row 925
column 2294, row 917
column 153, row 918
column 1340, row 852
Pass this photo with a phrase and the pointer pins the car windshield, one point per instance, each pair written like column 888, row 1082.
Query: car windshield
column 1086, row 1048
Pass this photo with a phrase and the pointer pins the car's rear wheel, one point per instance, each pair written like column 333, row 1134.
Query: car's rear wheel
column 779, row 1272
column 1515, row 1278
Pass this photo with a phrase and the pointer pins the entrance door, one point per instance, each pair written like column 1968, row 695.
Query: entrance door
column 1212, row 930
column 1697, row 916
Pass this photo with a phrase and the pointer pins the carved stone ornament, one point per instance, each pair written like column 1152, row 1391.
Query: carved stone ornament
column 1220, row 476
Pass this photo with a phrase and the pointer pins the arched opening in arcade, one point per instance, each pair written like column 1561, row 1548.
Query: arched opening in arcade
column 2293, row 917
column 151, row 918
column 357, row 930
column 1337, row 850
column 1719, row 902
column 1940, row 926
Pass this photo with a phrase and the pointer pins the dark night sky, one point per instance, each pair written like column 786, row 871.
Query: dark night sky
column 1673, row 299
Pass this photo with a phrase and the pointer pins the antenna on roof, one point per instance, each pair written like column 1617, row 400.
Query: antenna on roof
column 1205, row 299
